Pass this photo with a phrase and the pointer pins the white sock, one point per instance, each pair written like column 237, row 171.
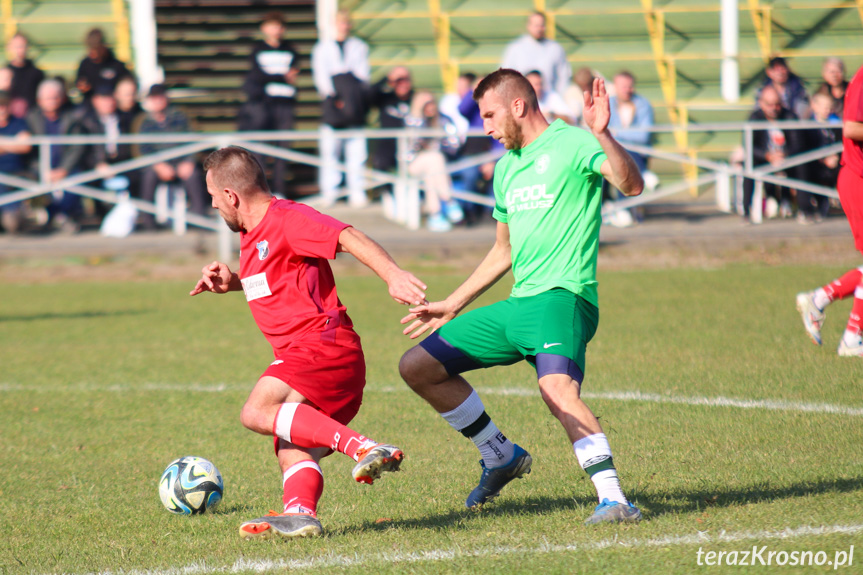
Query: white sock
column 594, row 455
column 495, row 448
column 471, row 420
column 851, row 337
column 821, row 299
column 607, row 486
column 466, row 413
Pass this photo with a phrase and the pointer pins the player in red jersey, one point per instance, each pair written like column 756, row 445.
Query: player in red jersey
column 314, row 388
column 811, row 305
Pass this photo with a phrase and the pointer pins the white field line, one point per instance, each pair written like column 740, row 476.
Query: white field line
column 436, row 555
column 719, row 401
column 769, row 404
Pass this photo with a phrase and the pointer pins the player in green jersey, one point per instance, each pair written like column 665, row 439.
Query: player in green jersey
column 547, row 195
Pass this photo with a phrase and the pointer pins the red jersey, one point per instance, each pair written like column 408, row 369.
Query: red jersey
column 852, row 151
column 286, row 277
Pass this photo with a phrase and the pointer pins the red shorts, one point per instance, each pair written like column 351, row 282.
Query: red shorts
column 850, row 187
column 330, row 374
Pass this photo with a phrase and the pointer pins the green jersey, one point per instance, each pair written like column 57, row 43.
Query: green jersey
column 550, row 195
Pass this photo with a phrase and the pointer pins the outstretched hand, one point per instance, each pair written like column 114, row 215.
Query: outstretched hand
column 428, row 316
column 406, row 288
column 215, row 277
column 597, row 107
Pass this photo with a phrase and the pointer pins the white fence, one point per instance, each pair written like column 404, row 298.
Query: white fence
column 406, row 189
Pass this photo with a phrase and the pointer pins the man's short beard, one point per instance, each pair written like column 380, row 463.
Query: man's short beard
column 512, row 134
column 233, row 226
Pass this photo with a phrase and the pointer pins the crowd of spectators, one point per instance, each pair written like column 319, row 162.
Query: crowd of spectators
column 107, row 104
column 783, row 97
column 106, row 97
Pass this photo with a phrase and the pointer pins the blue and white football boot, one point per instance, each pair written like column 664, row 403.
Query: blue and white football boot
column 614, row 512
column 493, row 480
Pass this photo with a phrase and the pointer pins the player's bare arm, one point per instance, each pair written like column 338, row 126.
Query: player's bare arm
column 217, row 278
column 620, row 170
column 493, row 267
column 403, row 286
column 853, row 130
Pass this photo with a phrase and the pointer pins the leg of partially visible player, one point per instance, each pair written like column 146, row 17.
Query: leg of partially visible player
column 852, row 340
column 849, row 186
column 812, row 305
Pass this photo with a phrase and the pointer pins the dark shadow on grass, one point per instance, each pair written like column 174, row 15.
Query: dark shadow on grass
column 655, row 504
column 461, row 516
column 71, row 315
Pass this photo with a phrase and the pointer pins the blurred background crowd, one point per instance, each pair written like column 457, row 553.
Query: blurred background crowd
column 105, row 99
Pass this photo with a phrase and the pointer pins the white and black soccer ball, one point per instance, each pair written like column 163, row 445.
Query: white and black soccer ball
column 191, row 485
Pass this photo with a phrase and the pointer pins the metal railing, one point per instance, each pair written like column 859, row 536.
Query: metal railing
column 406, row 189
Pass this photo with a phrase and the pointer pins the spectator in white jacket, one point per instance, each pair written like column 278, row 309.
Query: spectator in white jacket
column 340, row 68
column 533, row 51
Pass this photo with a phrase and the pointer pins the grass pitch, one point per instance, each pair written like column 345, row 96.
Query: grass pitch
column 730, row 430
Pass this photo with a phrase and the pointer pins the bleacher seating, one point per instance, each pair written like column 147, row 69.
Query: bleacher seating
column 204, row 46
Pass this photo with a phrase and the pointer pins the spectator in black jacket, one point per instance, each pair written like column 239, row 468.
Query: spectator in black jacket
column 772, row 146
column 788, row 85
column 128, row 106
column 812, row 208
column 26, row 77
column 51, row 118
column 162, row 118
column 392, row 96
column 99, row 67
column 103, row 119
column 269, row 88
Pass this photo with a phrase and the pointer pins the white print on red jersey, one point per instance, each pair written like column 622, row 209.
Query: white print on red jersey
column 256, row 286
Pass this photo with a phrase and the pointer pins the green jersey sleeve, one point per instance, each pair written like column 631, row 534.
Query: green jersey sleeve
column 589, row 155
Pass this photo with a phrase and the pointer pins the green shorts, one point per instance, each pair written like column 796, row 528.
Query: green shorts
column 550, row 330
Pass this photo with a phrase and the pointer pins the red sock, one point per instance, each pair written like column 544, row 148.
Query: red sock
column 855, row 320
column 303, row 484
column 844, row 286
column 305, row 426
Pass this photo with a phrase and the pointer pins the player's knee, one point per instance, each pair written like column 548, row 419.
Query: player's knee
column 251, row 418
column 418, row 368
column 559, row 388
column 407, row 367
column 246, row 416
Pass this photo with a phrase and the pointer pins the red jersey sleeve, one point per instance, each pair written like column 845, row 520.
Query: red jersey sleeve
column 311, row 233
column 858, row 108
column 853, row 99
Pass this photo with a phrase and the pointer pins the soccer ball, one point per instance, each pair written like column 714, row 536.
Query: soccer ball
column 190, row 485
